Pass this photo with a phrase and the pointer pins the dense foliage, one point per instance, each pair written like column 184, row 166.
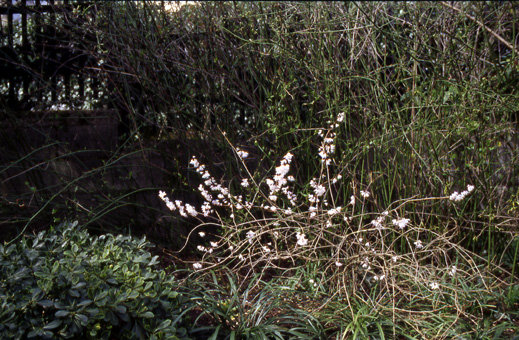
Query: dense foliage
column 427, row 89
column 67, row 284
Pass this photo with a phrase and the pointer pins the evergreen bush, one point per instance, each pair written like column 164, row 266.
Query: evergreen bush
column 66, row 283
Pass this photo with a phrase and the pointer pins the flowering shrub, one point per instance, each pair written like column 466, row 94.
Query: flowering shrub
column 374, row 252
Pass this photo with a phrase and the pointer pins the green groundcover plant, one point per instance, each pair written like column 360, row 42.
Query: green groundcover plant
column 66, row 283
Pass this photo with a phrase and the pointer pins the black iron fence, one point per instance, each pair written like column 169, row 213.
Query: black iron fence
column 40, row 66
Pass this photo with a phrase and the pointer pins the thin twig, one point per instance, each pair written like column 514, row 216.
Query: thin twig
column 498, row 37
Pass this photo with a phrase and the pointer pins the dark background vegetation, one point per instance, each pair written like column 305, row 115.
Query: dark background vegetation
column 103, row 104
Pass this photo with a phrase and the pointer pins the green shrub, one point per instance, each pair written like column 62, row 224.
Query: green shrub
column 68, row 284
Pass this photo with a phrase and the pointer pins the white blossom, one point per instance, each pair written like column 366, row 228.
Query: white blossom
column 194, row 162
column 377, row 278
column 250, row 235
column 457, row 197
column 282, row 170
column 452, row 271
column 197, row 265
column 170, row 205
column 242, row 154
column 378, row 223
column 365, row 264
column 191, row 210
column 401, row 223
column 364, row 194
column 206, row 209
column 335, row 211
column 301, row 239
column 182, row 211
column 319, row 190
column 288, row 157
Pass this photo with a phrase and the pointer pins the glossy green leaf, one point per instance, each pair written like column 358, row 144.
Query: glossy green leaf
column 53, row 324
column 62, row 313
column 148, row 315
column 46, row 303
column 84, row 303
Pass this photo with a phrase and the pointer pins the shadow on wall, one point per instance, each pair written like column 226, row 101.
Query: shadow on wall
column 77, row 162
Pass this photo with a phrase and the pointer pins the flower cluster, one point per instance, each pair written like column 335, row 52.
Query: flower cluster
column 434, row 285
column 379, row 277
column 242, row 154
column 183, row 209
column 251, row 235
column 223, row 197
column 204, row 249
column 401, row 223
column 327, row 147
column 365, row 264
column 301, row 239
column 334, row 211
column 452, row 271
column 319, row 190
column 457, row 197
column 378, row 222
column 364, row 194
column 280, row 181
column 312, row 282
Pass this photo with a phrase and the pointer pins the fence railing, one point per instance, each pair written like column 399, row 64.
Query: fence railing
column 40, row 68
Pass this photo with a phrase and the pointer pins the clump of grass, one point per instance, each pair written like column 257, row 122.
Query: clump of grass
column 228, row 310
column 386, row 261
